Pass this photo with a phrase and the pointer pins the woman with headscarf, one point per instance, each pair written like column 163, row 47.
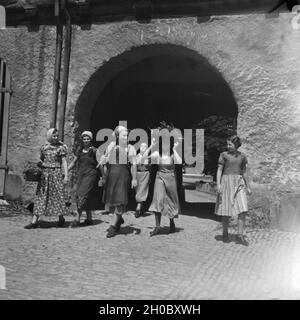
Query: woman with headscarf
column 119, row 155
column 50, row 198
column 87, row 178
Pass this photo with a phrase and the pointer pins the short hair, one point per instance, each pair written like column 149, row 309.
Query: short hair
column 235, row 140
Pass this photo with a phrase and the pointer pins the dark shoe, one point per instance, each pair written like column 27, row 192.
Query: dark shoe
column 111, row 232
column 172, row 227
column 75, row 224
column 32, row 226
column 155, row 231
column 225, row 237
column 88, row 222
column 137, row 213
column 61, row 221
column 240, row 239
column 118, row 226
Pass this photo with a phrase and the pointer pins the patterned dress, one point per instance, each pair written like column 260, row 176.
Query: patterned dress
column 50, row 198
column 165, row 197
column 232, row 199
column 88, row 177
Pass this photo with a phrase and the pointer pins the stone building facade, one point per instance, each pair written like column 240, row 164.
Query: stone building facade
column 254, row 58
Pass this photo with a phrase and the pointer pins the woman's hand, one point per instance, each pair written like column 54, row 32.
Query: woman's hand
column 249, row 191
column 218, row 188
column 153, row 142
column 133, row 183
column 176, row 144
column 102, row 182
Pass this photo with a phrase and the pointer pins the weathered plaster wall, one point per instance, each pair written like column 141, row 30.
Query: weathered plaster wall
column 258, row 57
column 30, row 58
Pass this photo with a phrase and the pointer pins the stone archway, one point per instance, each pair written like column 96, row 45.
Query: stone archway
column 154, row 82
column 151, row 83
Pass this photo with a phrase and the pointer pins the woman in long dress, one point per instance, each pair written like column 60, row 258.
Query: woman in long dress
column 165, row 200
column 50, row 197
column 87, row 178
column 119, row 155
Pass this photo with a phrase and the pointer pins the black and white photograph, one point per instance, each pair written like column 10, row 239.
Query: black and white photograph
column 149, row 150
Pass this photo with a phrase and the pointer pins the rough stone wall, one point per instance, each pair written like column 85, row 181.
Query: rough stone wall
column 30, row 59
column 257, row 56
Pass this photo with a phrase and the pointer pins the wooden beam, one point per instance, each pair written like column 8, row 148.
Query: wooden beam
column 112, row 11
column 57, row 68
column 65, row 77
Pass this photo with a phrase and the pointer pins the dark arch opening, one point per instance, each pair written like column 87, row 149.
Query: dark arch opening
column 151, row 83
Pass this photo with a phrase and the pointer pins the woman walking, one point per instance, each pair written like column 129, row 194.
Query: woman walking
column 87, row 178
column 165, row 196
column 116, row 180
column 232, row 186
column 50, row 190
column 143, row 177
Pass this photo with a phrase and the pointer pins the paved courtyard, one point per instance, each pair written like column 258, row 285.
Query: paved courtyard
column 81, row 263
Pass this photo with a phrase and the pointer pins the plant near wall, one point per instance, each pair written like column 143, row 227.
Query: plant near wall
column 216, row 131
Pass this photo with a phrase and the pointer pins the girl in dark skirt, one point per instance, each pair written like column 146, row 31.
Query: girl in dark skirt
column 87, row 178
column 50, row 196
column 232, row 186
column 165, row 197
column 116, row 180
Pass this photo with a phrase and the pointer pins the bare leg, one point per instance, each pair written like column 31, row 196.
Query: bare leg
column 116, row 221
column 241, row 223
column 138, row 210
column 35, row 219
column 157, row 224
column 157, row 219
column 240, row 238
column 225, row 223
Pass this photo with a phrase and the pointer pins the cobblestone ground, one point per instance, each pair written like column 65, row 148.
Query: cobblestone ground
column 65, row 263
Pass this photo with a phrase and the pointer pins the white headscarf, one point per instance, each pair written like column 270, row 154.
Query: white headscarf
column 87, row 133
column 50, row 133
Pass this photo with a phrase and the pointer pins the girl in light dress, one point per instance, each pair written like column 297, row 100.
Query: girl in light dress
column 232, row 186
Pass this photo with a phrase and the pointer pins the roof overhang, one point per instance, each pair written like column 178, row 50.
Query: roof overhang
column 87, row 12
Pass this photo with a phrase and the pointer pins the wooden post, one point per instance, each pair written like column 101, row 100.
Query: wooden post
column 57, row 67
column 65, row 77
column 5, row 85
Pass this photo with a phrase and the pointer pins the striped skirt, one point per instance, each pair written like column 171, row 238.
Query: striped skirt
column 232, row 200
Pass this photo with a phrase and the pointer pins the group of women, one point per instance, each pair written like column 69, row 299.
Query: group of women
column 118, row 176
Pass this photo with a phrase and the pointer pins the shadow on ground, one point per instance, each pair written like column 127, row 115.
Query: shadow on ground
column 53, row 224
column 200, row 210
column 231, row 238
